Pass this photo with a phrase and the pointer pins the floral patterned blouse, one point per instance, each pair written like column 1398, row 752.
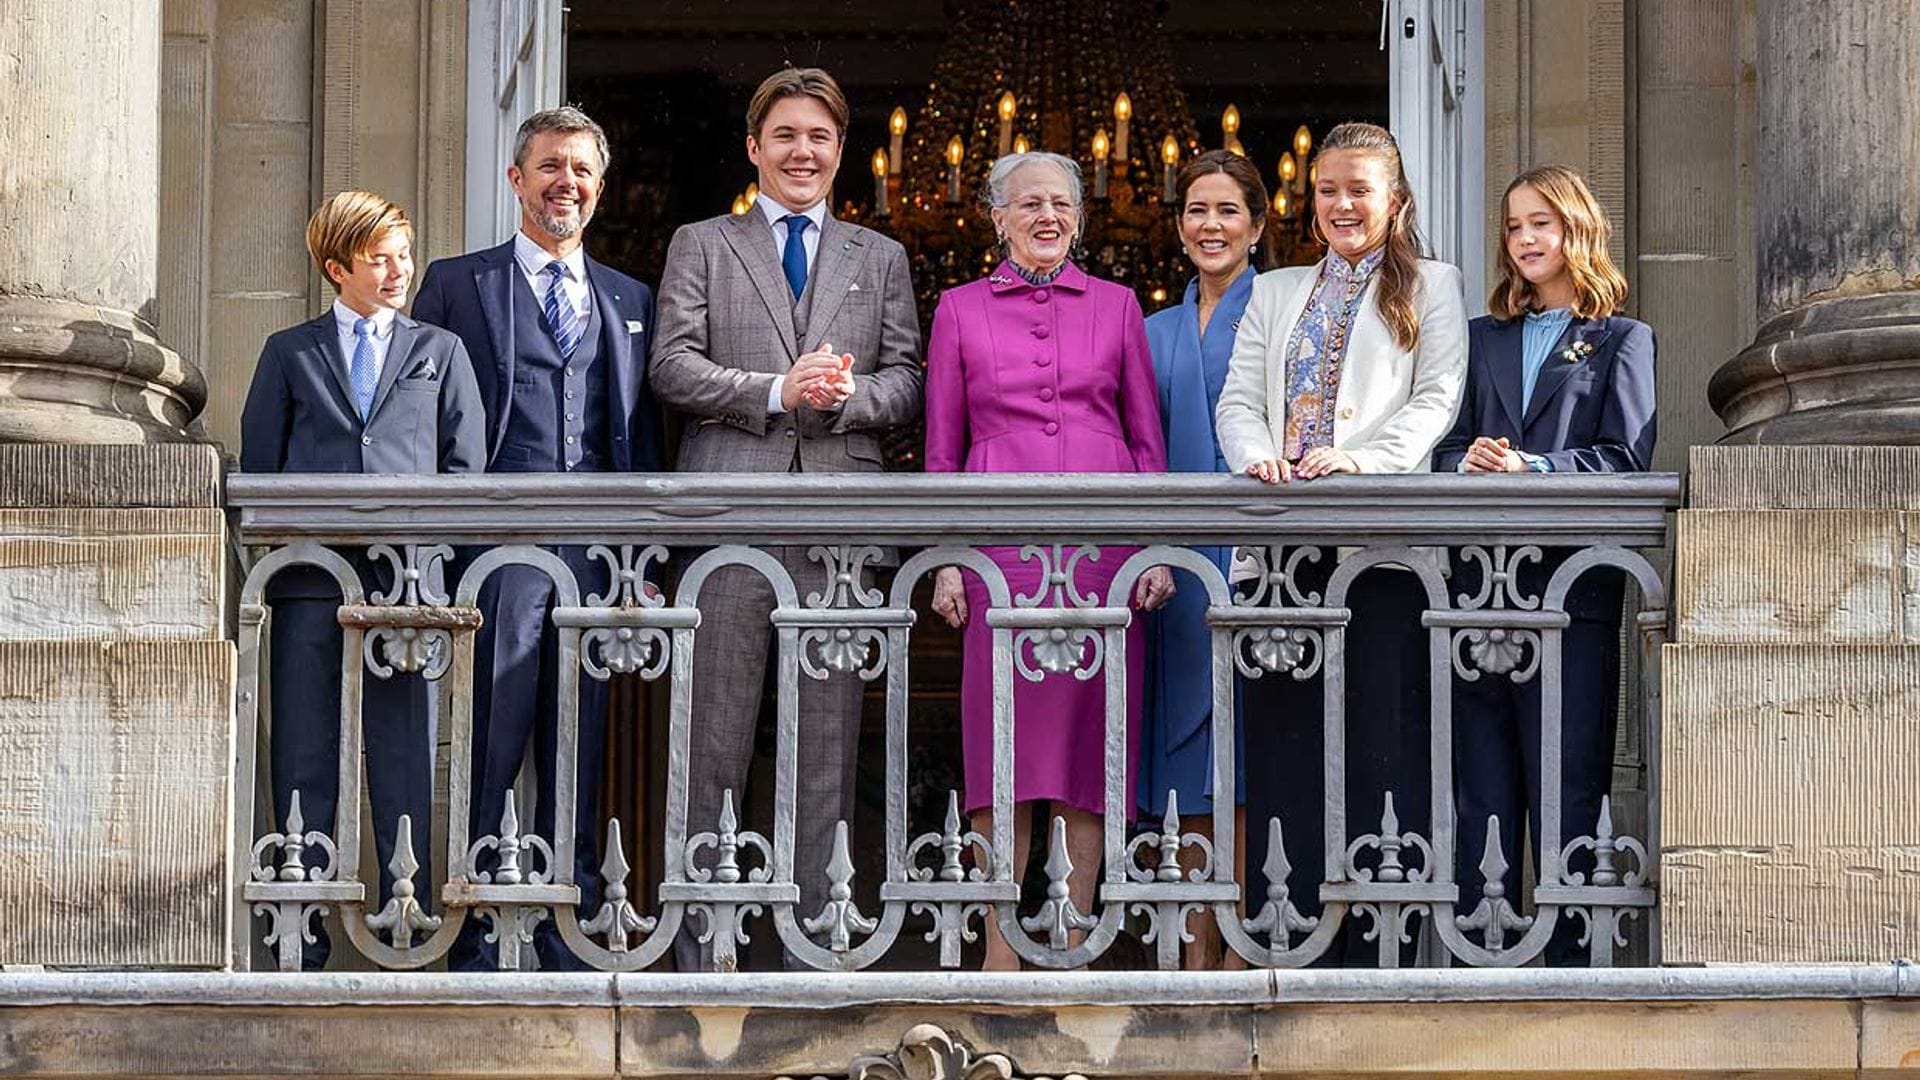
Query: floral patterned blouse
column 1317, row 350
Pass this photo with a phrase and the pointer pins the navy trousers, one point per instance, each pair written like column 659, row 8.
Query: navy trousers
column 516, row 702
column 1496, row 749
column 305, row 730
column 1388, row 721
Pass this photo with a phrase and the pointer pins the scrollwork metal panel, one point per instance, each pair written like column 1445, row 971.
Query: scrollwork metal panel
column 1268, row 622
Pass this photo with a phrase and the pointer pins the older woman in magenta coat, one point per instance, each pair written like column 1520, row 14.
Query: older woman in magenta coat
column 1042, row 369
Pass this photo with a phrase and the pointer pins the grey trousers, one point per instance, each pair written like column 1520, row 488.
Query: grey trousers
column 731, row 653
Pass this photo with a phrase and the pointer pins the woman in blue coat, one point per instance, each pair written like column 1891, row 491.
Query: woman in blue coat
column 1557, row 382
column 1222, row 217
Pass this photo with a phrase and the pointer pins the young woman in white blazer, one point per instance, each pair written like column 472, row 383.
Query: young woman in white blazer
column 1353, row 365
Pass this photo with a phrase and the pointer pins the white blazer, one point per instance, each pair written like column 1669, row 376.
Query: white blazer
column 1393, row 406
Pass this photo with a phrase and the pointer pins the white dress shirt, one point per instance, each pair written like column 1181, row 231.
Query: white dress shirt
column 344, row 319
column 534, row 260
column 773, row 212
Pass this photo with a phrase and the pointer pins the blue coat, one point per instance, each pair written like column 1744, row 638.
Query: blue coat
column 1176, row 747
column 472, row 296
column 1591, row 413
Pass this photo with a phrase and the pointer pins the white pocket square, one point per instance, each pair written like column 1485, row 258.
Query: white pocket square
column 634, row 326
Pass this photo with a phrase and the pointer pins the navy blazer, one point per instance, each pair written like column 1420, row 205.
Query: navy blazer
column 1593, row 404
column 300, row 416
column 472, row 295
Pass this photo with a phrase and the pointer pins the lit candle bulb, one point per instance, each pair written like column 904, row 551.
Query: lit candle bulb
column 897, row 127
column 1302, row 155
column 740, row 205
column 1288, row 169
column 1100, row 149
column 880, row 208
column 1008, row 106
column 1230, row 126
column 753, row 191
column 1282, row 205
column 1021, row 145
column 956, row 152
column 1122, row 112
column 1170, row 157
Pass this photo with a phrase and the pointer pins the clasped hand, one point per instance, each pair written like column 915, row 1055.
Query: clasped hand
column 821, row 379
column 1153, row 590
column 1493, row 455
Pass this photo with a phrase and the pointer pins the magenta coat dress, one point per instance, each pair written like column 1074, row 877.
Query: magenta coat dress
column 1042, row 379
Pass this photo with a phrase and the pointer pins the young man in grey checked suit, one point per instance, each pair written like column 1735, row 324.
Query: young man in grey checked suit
column 790, row 339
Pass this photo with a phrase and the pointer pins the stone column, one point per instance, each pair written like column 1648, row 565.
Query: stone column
column 79, row 216
column 1836, row 229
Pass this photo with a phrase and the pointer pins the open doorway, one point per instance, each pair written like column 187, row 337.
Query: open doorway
column 670, row 81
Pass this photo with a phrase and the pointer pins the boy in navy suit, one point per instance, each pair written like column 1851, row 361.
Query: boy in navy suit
column 361, row 389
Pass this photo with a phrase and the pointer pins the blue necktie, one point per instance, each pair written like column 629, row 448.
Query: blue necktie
column 794, row 259
column 362, row 373
column 561, row 317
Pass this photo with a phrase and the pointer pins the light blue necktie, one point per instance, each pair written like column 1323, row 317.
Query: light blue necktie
column 363, row 373
column 794, row 259
column 561, row 317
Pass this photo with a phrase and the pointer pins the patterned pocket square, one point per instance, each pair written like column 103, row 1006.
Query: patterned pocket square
column 634, row 326
column 425, row 369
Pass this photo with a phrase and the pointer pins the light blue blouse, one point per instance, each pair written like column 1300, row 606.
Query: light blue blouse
column 1537, row 338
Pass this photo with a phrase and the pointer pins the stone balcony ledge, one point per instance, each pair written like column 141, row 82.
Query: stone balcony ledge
column 817, row 990
column 1747, row 1022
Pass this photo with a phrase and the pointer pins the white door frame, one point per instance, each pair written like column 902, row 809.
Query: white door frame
column 516, row 66
column 1437, row 108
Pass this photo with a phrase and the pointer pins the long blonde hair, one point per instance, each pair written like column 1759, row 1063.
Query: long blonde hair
column 1599, row 288
column 1400, row 269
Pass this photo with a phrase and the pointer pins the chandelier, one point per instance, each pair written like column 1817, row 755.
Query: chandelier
column 1089, row 79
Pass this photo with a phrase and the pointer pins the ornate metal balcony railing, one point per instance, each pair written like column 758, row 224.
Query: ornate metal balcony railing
column 944, row 883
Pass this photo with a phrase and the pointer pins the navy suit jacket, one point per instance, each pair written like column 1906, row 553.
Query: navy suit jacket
column 300, row 418
column 300, row 415
column 1593, row 413
column 472, row 295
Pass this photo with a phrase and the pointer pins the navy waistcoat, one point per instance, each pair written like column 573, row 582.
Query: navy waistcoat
column 559, row 420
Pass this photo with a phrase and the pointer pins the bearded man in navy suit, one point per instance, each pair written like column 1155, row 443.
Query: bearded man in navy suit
column 559, row 345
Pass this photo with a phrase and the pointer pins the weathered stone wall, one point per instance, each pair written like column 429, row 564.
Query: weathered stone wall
column 1856, row 1023
column 272, row 106
column 1791, row 826
column 116, row 707
column 1652, row 102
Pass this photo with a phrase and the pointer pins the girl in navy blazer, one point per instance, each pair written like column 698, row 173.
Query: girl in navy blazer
column 1556, row 382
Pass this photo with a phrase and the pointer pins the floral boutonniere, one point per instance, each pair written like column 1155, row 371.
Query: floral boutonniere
column 1577, row 351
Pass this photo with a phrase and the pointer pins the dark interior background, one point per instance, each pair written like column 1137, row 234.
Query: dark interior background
column 670, row 80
